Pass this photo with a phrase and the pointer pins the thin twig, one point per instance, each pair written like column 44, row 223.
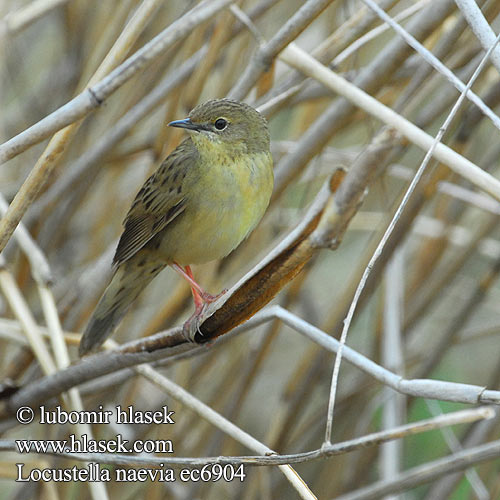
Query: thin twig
column 22, row 18
column 134, row 353
column 375, row 32
column 275, row 459
column 385, row 237
column 264, row 56
column 223, row 424
column 299, row 59
column 427, row 472
column 435, row 63
column 481, row 29
column 81, row 105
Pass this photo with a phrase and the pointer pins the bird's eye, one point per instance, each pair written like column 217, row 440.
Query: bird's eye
column 220, row 124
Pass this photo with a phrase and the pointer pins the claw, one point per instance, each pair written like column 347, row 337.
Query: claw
column 192, row 326
column 208, row 299
column 201, row 300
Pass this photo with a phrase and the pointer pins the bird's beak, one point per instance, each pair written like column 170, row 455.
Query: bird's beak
column 186, row 123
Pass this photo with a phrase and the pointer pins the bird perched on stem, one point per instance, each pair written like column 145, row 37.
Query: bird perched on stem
column 203, row 200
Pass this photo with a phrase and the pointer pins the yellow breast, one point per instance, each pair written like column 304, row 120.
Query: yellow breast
column 225, row 200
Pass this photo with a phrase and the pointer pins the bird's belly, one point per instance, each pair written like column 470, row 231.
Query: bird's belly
column 211, row 237
column 219, row 216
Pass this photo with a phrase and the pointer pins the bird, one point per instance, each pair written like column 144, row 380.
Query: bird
column 204, row 199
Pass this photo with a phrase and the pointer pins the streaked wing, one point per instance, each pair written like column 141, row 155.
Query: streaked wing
column 159, row 201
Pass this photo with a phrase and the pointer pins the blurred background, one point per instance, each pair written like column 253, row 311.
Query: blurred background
column 437, row 278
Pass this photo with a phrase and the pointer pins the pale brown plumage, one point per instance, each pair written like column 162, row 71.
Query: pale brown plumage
column 154, row 207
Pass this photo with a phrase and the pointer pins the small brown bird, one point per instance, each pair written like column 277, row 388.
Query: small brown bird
column 204, row 199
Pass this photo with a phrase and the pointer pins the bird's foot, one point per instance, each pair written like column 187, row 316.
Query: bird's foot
column 208, row 298
column 192, row 325
column 202, row 301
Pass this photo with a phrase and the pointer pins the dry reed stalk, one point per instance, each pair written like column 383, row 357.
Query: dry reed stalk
column 328, row 76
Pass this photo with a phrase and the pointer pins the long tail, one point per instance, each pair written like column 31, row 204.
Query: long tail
column 126, row 284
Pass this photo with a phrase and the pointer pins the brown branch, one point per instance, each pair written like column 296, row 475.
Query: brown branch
column 323, row 226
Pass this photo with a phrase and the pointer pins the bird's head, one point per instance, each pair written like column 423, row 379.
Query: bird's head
column 236, row 126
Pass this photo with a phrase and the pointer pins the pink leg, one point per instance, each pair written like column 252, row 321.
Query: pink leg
column 200, row 297
column 196, row 289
